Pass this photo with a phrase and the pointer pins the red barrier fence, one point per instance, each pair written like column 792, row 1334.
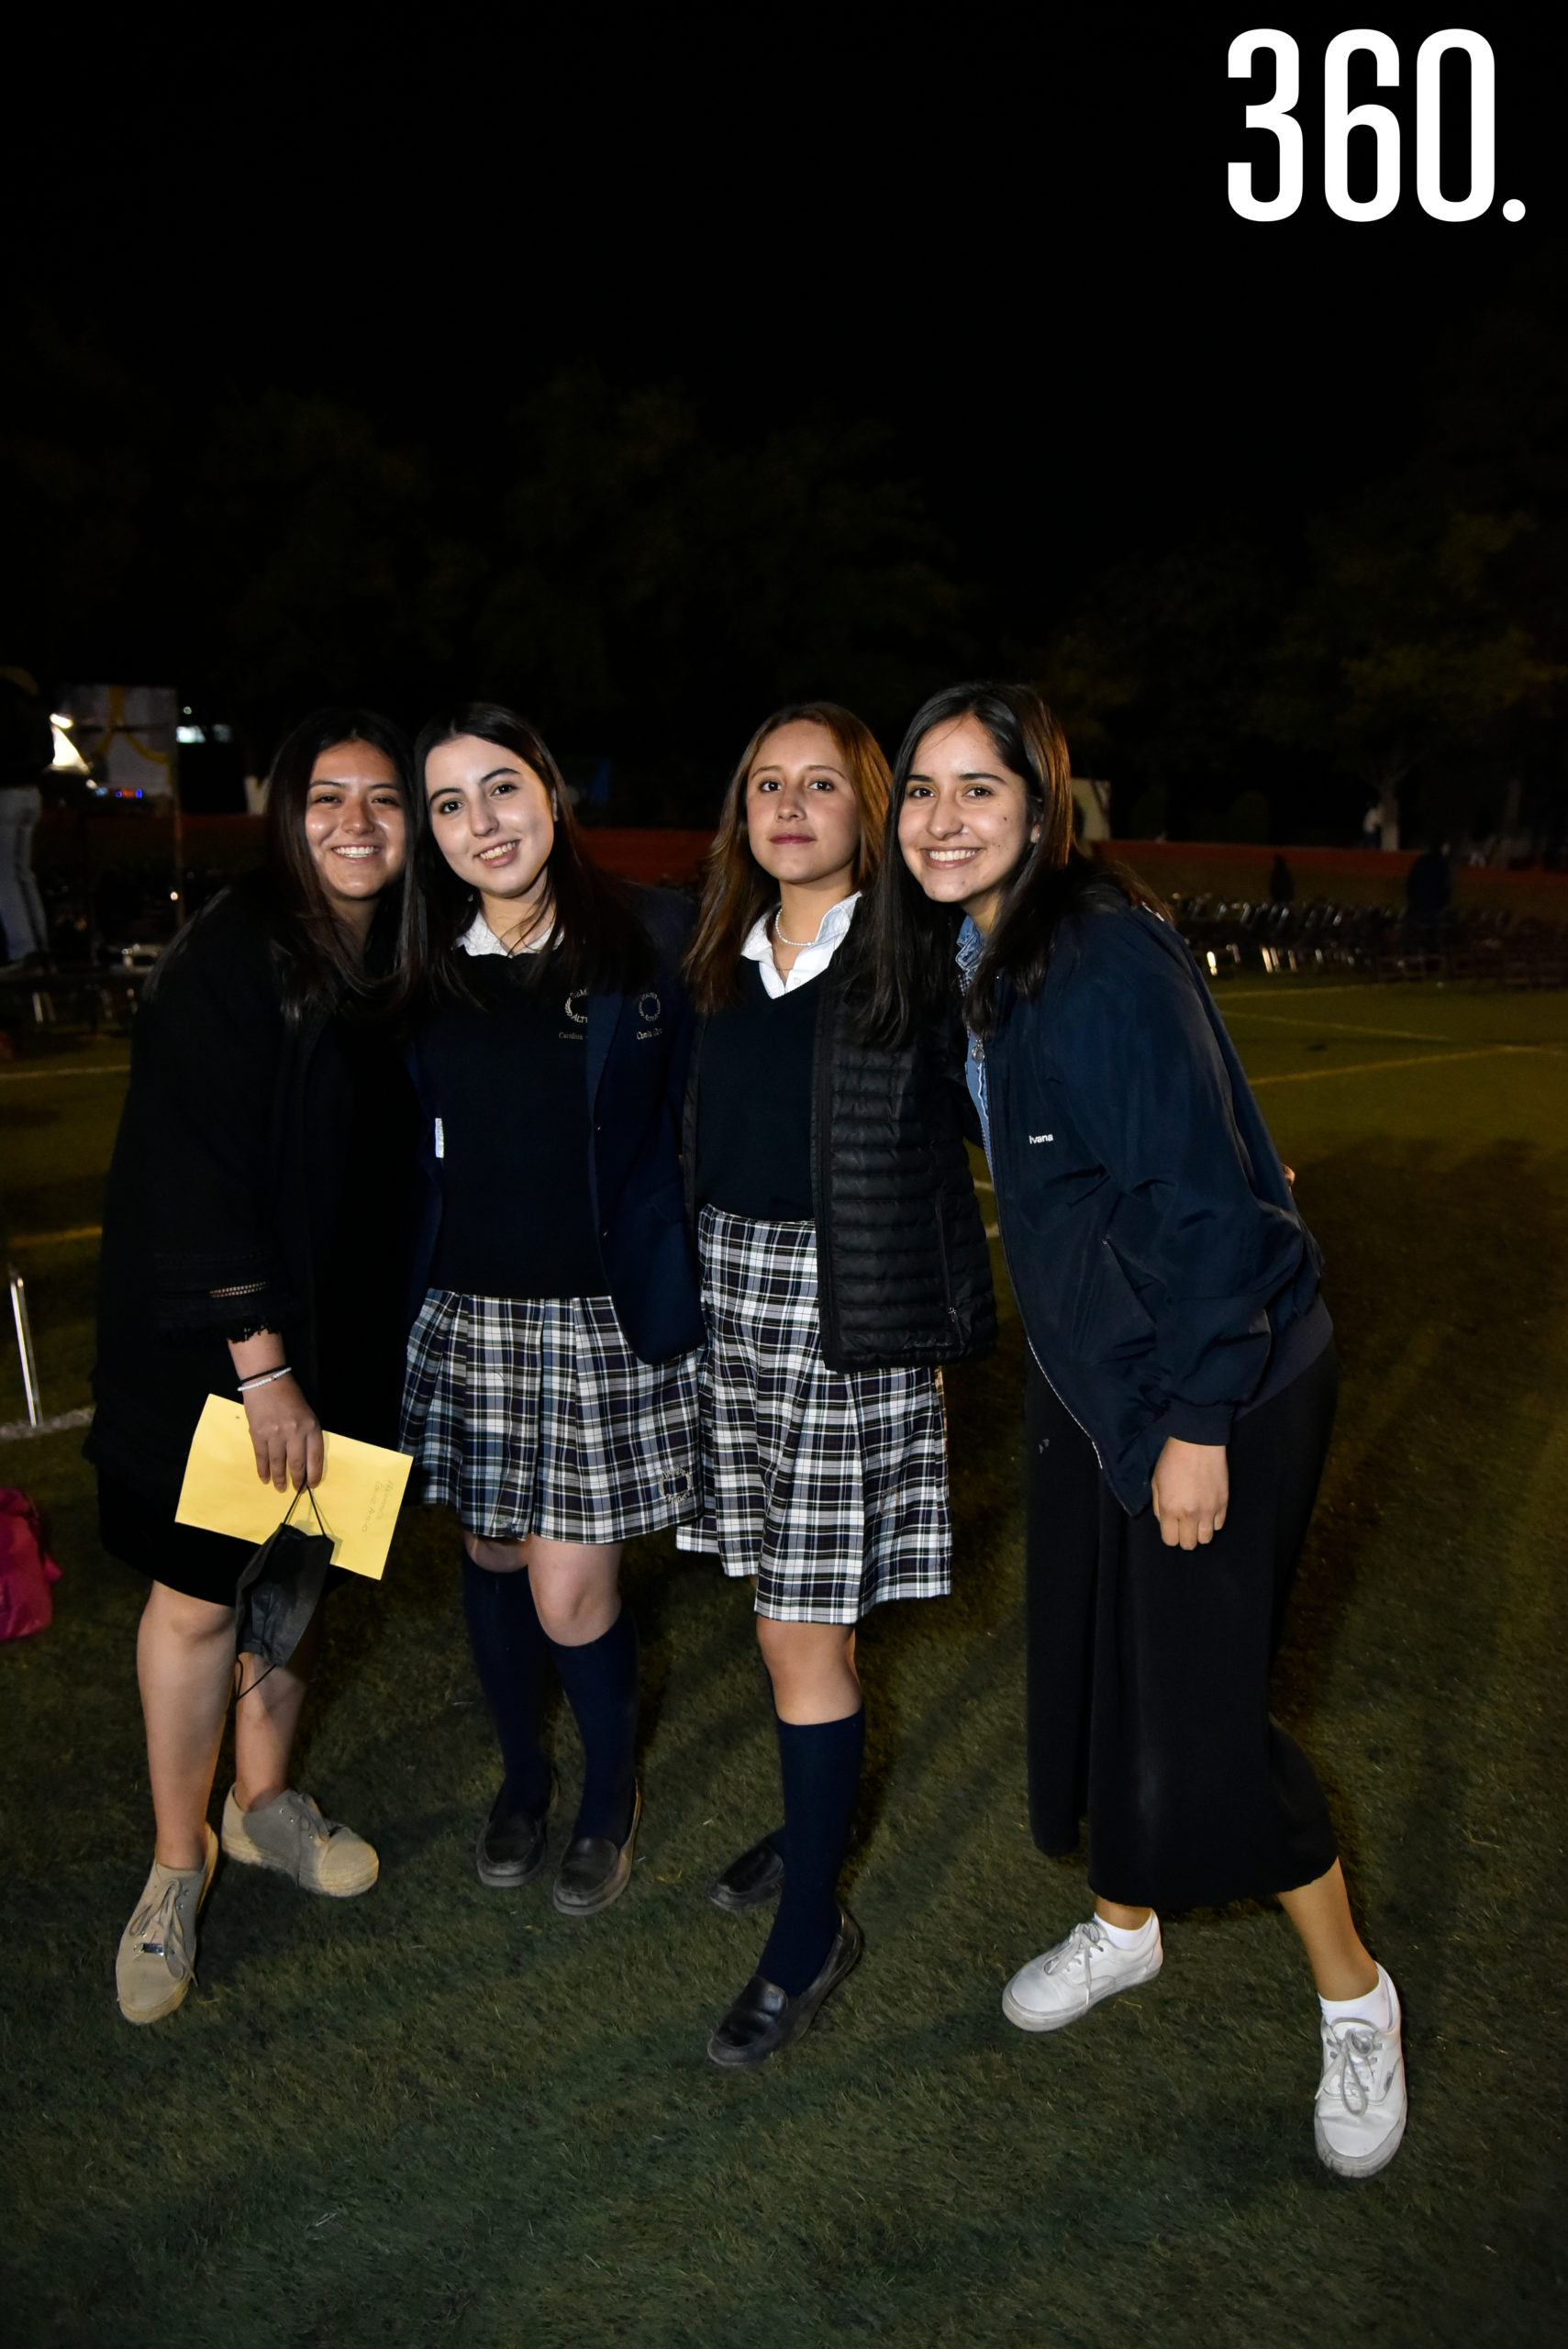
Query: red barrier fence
column 1177, row 868
column 229, row 843
column 1351, row 877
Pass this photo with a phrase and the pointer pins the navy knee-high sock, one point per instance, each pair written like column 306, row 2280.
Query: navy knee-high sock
column 820, row 1765
column 601, row 1683
column 509, row 1654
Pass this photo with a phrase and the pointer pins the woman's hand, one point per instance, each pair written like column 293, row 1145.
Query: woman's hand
column 1192, row 1489
column 286, row 1435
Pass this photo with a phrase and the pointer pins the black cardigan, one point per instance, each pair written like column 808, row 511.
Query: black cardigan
column 903, row 1268
column 224, row 1196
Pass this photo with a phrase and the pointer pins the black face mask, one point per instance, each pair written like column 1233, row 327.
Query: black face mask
column 281, row 1588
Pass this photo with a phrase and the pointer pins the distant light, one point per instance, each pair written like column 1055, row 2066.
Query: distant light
column 189, row 733
column 185, row 711
column 68, row 759
column 1213, row 960
column 173, row 896
column 222, row 733
column 57, row 718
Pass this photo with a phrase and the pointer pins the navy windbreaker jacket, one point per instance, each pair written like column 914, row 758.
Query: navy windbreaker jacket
column 1153, row 1246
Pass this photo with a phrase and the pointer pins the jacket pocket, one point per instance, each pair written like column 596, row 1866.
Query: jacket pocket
column 1112, row 1321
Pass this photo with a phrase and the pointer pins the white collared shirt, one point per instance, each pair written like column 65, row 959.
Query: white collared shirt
column 480, row 939
column 831, row 931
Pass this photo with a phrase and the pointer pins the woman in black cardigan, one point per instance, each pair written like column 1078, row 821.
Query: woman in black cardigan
column 843, row 1258
column 254, row 1230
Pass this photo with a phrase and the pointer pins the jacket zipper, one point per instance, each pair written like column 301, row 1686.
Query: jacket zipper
column 1002, row 1236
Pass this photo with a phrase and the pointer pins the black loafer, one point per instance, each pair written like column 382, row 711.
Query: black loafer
column 594, row 1871
column 764, row 2018
column 757, row 1875
column 512, row 1844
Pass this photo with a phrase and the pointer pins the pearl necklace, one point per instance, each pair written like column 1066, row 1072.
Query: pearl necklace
column 785, row 939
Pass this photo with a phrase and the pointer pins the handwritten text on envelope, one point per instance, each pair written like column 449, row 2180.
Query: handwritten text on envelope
column 359, row 1496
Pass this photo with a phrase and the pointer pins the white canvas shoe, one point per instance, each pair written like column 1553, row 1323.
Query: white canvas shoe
column 290, row 1834
column 156, row 1963
column 1054, row 1990
column 1360, row 2109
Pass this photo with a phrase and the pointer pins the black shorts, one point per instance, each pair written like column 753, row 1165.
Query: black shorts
column 187, row 1558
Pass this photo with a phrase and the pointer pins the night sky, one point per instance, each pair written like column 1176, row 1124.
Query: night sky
column 1003, row 236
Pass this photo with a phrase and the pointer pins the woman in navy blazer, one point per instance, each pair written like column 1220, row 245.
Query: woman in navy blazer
column 550, row 1397
column 1182, row 1383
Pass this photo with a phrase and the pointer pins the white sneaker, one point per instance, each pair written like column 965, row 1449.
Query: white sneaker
column 1361, row 2098
column 1054, row 1990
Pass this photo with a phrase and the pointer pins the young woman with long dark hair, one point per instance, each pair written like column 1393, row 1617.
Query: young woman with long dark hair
column 254, row 1225
column 843, row 1258
column 550, row 1395
column 1181, row 1385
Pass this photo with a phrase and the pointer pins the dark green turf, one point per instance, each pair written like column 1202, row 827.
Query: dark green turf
column 440, row 2114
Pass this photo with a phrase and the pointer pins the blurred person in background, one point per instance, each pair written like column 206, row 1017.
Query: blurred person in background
column 1429, row 884
column 1182, row 1385
column 255, row 1239
column 27, row 753
column 843, row 1258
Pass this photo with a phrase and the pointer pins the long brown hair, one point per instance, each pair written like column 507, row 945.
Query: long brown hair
column 599, row 943
column 317, row 956
column 735, row 887
column 914, row 939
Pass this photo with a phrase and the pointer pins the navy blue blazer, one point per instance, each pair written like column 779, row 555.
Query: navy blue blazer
column 638, row 1047
column 1150, row 1236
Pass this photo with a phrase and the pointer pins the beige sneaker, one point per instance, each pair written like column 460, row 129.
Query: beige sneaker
column 290, row 1834
column 157, row 1960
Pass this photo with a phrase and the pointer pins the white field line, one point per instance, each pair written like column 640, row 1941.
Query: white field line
column 1325, row 986
column 13, row 1431
column 1347, row 1028
column 1414, row 1060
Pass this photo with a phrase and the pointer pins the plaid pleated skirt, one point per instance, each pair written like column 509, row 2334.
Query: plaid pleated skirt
column 829, row 1487
column 532, row 1415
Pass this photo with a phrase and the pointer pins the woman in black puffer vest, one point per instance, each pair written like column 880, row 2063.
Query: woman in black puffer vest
column 843, row 1261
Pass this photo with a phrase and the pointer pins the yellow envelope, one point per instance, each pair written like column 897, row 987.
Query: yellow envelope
column 359, row 1496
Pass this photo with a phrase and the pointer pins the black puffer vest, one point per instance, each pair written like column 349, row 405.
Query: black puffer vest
column 903, row 1268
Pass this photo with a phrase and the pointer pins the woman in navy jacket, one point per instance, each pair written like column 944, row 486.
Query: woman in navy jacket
column 550, row 1397
column 1182, row 1385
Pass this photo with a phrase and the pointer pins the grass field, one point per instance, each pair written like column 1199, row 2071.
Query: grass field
column 440, row 2114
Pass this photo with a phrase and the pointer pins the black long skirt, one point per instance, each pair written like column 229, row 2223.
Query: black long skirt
column 1149, row 1668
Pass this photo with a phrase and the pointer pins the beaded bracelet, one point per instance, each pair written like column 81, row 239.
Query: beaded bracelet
column 266, row 1377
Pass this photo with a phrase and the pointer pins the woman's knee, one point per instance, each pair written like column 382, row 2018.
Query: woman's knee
column 575, row 1597
column 175, row 1616
column 802, row 1651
